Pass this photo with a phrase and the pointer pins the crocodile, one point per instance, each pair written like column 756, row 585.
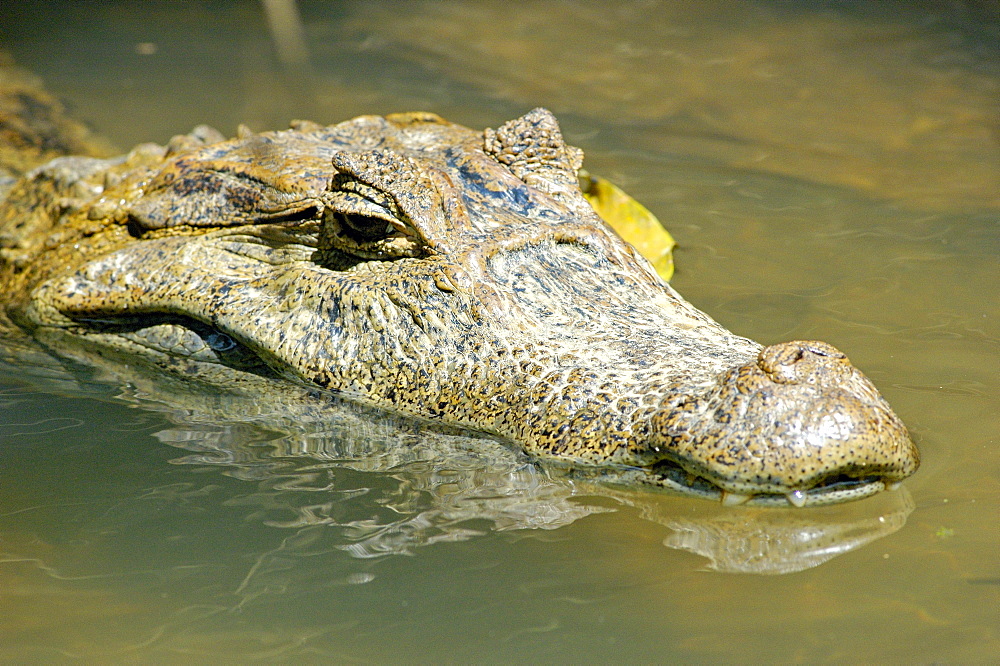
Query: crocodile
column 448, row 274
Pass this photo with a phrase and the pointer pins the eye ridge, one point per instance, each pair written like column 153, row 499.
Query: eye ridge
column 345, row 184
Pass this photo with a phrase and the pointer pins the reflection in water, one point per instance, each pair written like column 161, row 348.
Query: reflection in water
column 422, row 483
column 780, row 541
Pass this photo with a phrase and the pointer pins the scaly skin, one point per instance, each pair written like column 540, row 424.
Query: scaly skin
column 450, row 274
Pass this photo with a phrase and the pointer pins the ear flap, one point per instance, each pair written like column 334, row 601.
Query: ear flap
column 532, row 147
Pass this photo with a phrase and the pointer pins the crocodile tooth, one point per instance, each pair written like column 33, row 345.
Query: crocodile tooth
column 892, row 485
column 734, row 499
column 796, row 498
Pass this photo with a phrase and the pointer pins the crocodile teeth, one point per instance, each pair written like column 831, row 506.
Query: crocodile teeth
column 796, row 498
column 892, row 485
column 734, row 499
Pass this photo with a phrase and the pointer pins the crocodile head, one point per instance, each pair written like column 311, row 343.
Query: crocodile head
column 450, row 274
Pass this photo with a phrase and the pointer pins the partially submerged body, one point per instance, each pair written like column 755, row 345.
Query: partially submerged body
column 454, row 275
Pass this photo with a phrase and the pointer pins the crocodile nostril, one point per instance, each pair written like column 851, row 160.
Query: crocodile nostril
column 820, row 349
column 787, row 362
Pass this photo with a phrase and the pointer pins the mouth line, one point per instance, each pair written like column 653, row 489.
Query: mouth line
column 834, row 489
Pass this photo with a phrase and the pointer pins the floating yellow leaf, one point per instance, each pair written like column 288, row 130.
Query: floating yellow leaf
column 632, row 222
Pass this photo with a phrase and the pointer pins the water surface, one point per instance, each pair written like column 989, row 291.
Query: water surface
column 831, row 170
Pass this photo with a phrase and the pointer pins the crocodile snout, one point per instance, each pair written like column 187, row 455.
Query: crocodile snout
column 801, row 421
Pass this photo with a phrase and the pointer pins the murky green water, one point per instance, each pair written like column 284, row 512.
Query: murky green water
column 831, row 170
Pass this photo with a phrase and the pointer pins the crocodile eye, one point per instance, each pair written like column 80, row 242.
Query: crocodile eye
column 361, row 222
column 363, row 228
column 379, row 206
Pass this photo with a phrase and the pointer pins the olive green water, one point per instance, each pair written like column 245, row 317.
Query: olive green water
column 830, row 170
